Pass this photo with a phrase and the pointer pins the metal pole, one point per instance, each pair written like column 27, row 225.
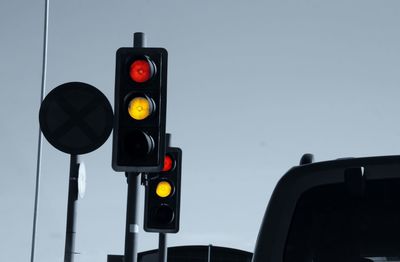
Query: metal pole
column 131, row 227
column 139, row 39
column 71, row 211
column 162, row 247
column 162, row 237
column 133, row 179
column 39, row 152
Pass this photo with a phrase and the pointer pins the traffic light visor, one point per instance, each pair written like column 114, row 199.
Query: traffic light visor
column 141, row 70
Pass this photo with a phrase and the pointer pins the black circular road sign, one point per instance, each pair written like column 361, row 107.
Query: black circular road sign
column 76, row 118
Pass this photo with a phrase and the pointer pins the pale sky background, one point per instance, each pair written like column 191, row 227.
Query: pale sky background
column 252, row 85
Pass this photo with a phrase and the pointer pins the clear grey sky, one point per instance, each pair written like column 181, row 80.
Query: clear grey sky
column 252, row 86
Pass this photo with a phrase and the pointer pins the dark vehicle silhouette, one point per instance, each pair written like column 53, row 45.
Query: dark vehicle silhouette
column 343, row 210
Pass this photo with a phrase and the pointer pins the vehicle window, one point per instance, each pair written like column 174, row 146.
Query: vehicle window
column 332, row 224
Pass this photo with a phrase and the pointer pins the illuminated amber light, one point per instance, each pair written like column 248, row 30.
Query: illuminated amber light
column 164, row 189
column 140, row 108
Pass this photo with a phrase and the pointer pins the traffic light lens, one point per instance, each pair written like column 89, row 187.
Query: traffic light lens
column 164, row 214
column 140, row 108
column 164, row 189
column 141, row 70
column 138, row 144
column 168, row 163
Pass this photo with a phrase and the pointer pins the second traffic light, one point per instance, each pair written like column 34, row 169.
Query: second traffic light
column 163, row 193
column 140, row 109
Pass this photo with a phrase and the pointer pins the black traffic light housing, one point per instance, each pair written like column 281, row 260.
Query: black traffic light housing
column 140, row 109
column 162, row 214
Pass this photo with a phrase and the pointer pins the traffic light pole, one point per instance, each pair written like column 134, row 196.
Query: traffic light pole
column 162, row 237
column 131, row 228
column 162, row 247
column 71, row 211
column 133, row 179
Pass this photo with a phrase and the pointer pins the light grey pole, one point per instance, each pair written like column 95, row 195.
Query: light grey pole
column 39, row 152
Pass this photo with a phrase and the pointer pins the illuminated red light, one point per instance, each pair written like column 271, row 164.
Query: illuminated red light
column 141, row 71
column 168, row 163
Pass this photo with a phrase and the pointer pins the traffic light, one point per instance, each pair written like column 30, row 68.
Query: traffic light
column 140, row 109
column 162, row 198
